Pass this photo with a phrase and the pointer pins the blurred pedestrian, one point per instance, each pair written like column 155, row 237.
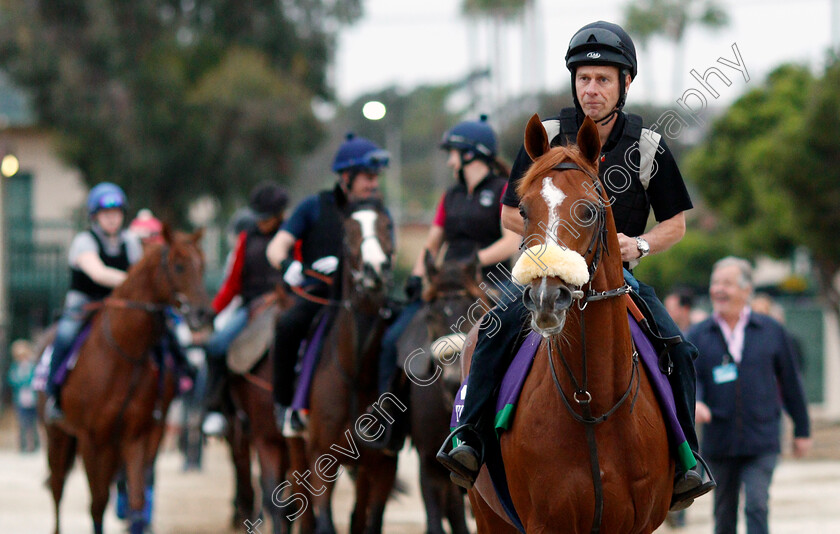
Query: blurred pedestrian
column 20, row 378
column 746, row 373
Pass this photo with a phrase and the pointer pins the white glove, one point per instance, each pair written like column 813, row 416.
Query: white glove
column 294, row 274
column 326, row 265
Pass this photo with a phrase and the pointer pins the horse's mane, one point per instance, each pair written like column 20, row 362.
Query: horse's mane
column 545, row 163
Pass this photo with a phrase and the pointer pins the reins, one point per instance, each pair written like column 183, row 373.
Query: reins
column 582, row 395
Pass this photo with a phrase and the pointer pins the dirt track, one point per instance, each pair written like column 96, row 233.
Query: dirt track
column 805, row 495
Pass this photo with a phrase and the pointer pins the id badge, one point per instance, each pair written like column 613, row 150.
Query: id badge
column 725, row 373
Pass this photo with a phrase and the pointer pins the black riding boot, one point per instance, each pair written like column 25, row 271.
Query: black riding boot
column 490, row 360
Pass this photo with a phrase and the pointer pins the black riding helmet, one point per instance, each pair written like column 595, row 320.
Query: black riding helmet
column 267, row 200
column 602, row 43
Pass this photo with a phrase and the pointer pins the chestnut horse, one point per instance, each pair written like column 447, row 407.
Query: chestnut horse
column 345, row 382
column 116, row 398
column 252, row 424
column 452, row 293
column 569, row 468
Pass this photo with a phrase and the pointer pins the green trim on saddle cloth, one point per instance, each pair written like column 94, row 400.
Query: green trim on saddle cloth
column 504, row 419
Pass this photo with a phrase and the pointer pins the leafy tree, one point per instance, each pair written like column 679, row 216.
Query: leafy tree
column 771, row 168
column 173, row 99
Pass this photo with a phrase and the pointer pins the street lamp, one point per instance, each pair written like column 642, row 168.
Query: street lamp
column 374, row 111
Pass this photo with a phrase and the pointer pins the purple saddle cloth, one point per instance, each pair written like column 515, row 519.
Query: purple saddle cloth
column 519, row 368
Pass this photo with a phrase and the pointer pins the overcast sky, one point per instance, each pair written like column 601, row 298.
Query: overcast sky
column 407, row 43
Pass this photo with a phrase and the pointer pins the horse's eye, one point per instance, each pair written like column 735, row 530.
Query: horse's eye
column 522, row 212
column 179, row 268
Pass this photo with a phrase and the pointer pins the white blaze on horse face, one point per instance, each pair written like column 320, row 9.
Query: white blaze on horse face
column 372, row 252
column 553, row 197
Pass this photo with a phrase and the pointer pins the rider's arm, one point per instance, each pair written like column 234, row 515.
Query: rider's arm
column 660, row 238
column 295, row 227
column 232, row 284
column 501, row 249
column 279, row 247
column 91, row 264
column 433, row 243
column 512, row 220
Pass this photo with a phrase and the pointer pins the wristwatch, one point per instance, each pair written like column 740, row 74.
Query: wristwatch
column 643, row 246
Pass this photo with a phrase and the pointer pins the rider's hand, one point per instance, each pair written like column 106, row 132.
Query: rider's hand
column 629, row 248
column 413, row 288
column 294, row 274
column 326, row 265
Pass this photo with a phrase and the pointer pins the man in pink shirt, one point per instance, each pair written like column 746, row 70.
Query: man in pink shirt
column 746, row 374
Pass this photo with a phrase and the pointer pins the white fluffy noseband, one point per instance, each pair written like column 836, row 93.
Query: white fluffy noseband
column 550, row 260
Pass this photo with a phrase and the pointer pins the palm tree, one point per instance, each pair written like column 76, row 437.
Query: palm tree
column 671, row 18
column 497, row 13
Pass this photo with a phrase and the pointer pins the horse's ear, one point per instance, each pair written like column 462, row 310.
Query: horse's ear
column 166, row 232
column 197, row 235
column 588, row 141
column 429, row 264
column 536, row 139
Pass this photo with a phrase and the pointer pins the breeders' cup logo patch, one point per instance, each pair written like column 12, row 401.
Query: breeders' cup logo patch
column 593, row 55
column 485, row 198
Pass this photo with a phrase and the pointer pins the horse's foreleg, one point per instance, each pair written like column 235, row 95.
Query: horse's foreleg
column 240, row 454
column 434, row 491
column 101, row 465
column 134, row 453
column 381, row 471
column 270, row 456
column 455, row 510
column 321, row 502
column 358, row 520
column 61, row 451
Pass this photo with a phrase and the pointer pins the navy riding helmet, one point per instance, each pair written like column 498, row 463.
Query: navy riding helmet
column 472, row 138
column 360, row 154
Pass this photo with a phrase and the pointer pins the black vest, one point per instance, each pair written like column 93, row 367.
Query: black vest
column 630, row 206
column 326, row 236
column 473, row 221
column 258, row 276
column 80, row 281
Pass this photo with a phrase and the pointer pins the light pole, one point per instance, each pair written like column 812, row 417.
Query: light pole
column 9, row 166
column 374, row 111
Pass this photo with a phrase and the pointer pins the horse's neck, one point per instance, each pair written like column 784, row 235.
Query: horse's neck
column 139, row 326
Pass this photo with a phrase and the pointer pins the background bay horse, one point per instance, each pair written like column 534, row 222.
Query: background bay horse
column 253, row 425
column 452, row 293
column 345, row 382
column 116, row 398
column 549, row 458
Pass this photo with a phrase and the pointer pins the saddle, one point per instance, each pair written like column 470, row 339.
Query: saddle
column 255, row 339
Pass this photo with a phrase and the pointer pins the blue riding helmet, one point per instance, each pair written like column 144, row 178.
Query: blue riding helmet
column 360, row 154
column 105, row 196
column 471, row 136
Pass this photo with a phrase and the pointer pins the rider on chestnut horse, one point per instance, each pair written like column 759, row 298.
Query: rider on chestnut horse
column 99, row 258
column 468, row 221
column 317, row 223
column 249, row 275
column 602, row 60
